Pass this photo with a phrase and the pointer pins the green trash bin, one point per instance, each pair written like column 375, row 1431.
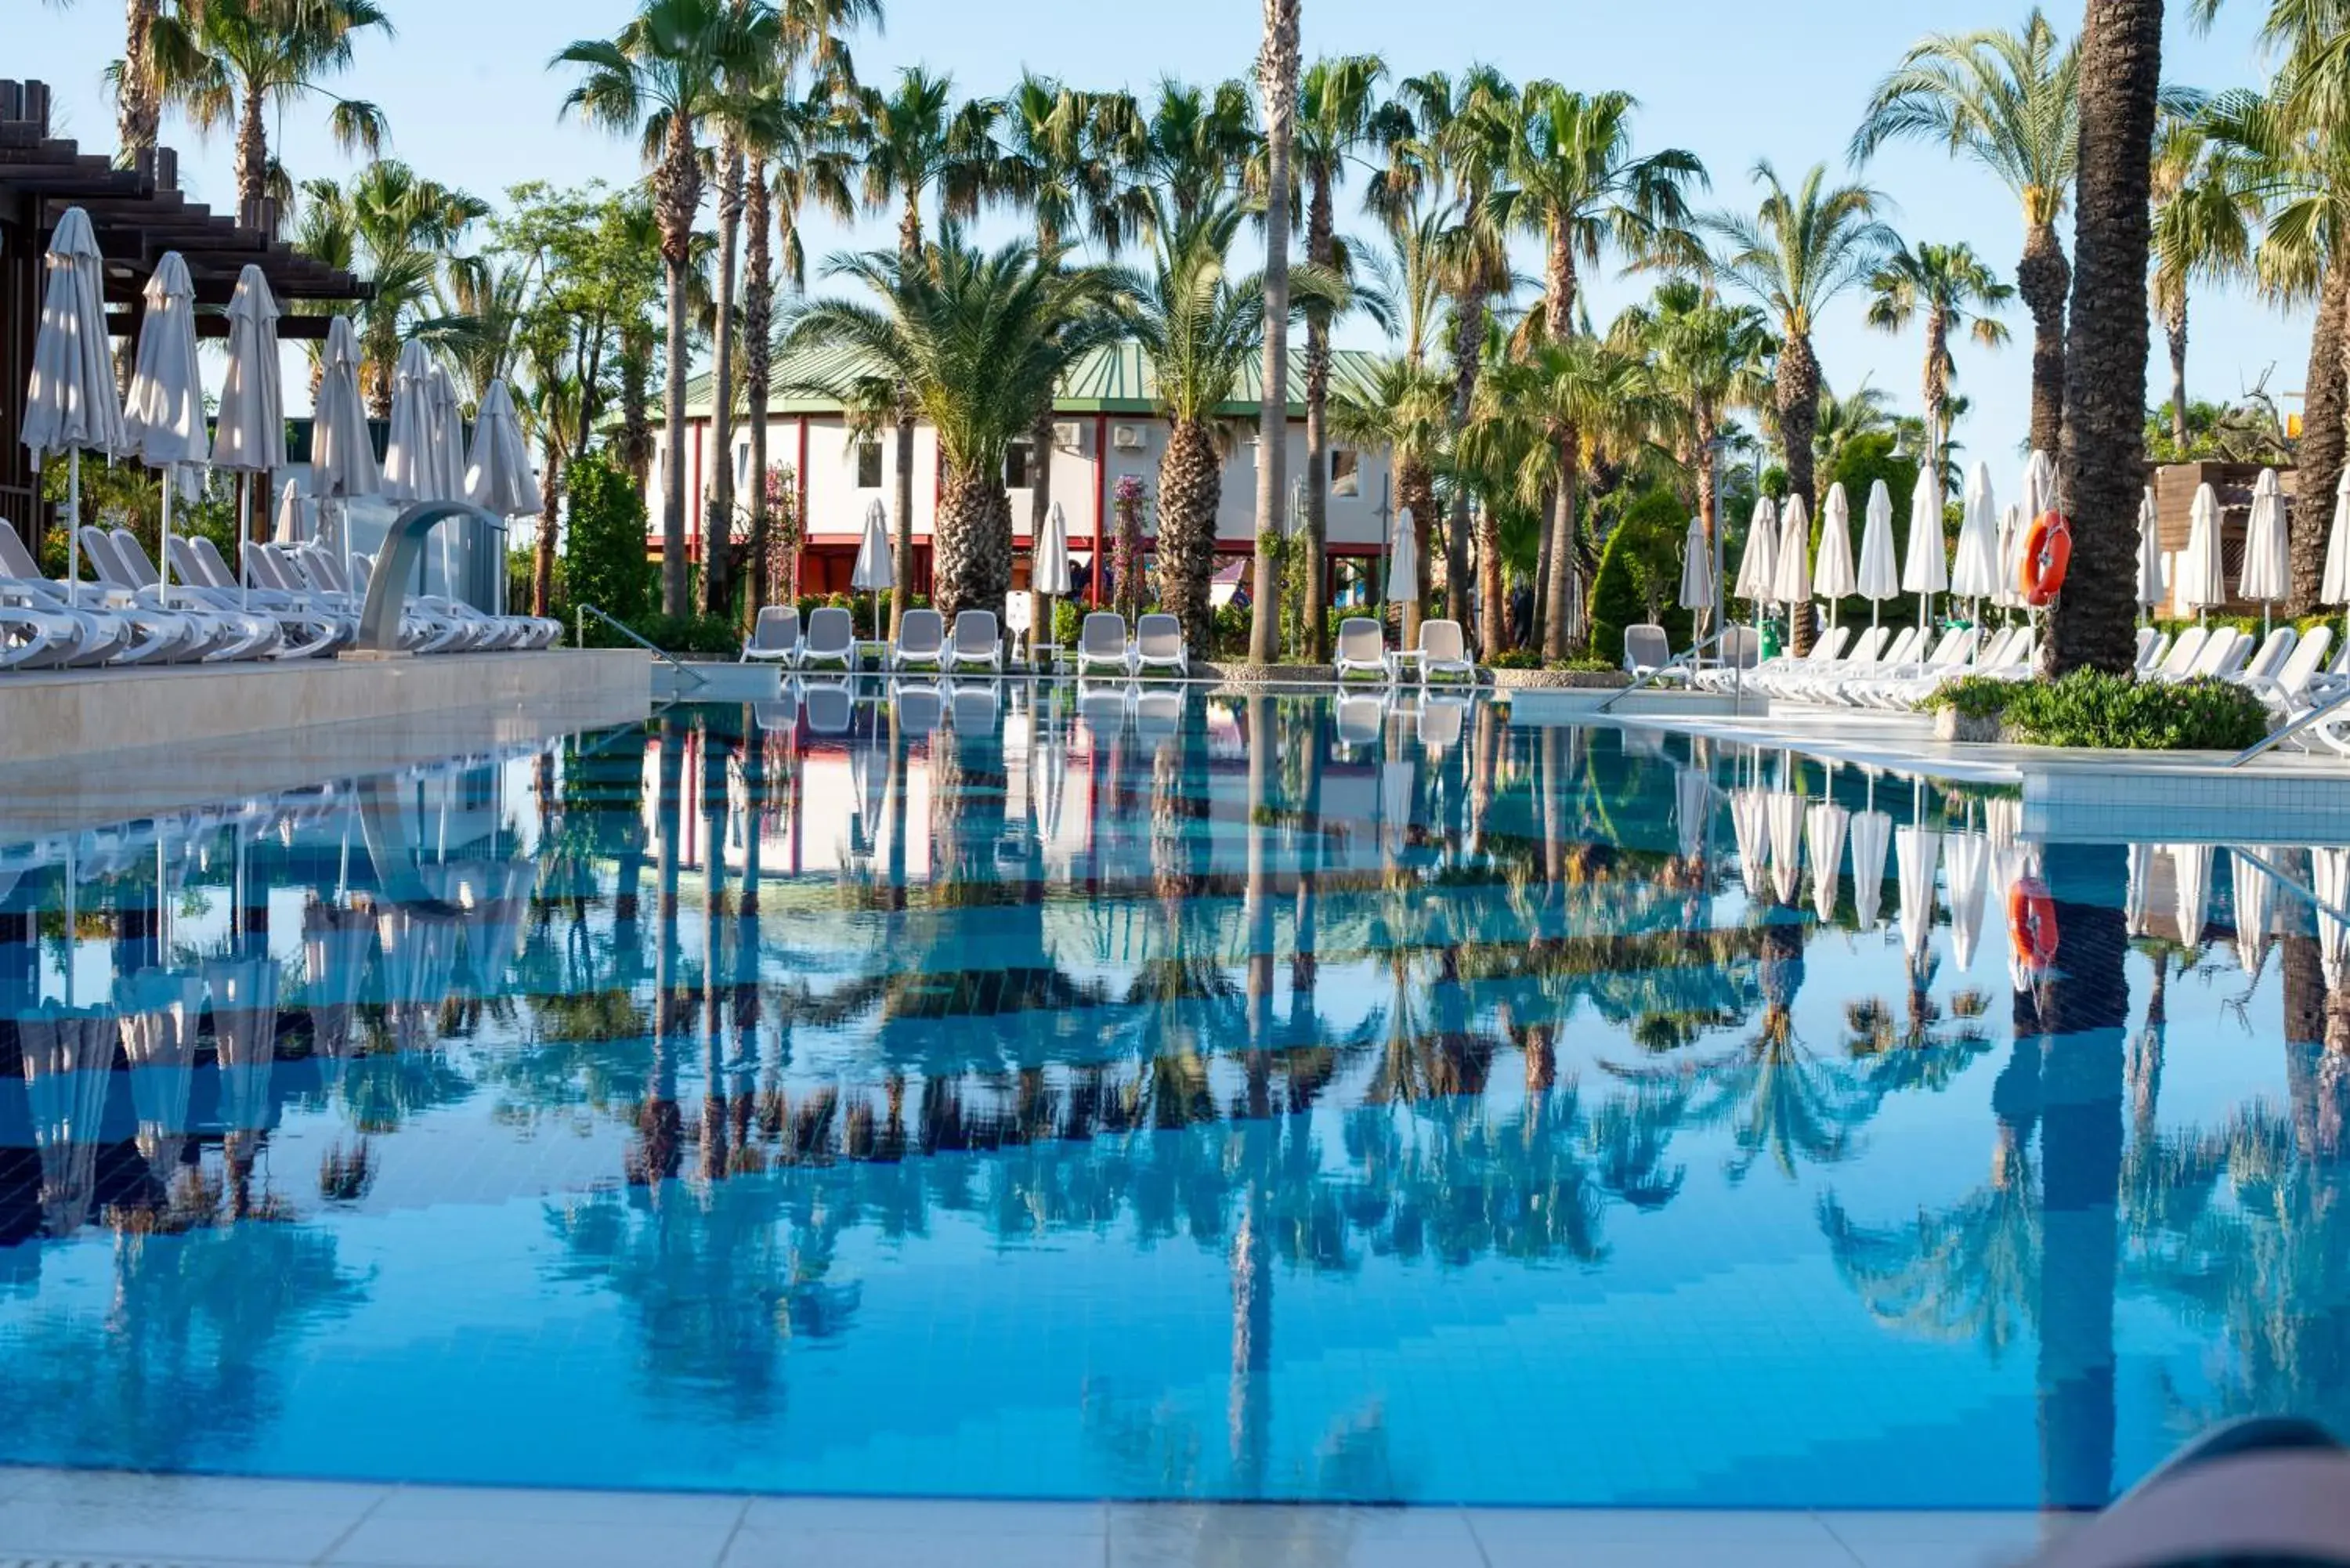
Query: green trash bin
column 1770, row 647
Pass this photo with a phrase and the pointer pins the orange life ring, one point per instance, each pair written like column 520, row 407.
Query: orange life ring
column 2047, row 552
column 2031, row 921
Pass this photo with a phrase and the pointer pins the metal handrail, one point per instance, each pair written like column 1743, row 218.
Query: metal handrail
column 696, row 675
column 1685, row 659
column 2285, row 732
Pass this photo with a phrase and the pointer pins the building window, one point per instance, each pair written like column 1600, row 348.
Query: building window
column 1017, row 455
column 1346, row 472
column 868, row 466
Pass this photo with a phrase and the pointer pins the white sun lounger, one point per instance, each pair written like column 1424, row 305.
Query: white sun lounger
column 105, row 633
column 1647, row 648
column 2224, row 654
column 205, row 634
column 1362, row 650
column 1444, row 650
column 976, row 644
column 242, row 635
column 1102, row 644
column 774, row 637
column 1158, row 644
column 922, row 641
column 2289, row 690
column 2182, row 654
column 1866, row 655
column 830, row 640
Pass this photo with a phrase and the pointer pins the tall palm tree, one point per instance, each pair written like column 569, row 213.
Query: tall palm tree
column 237, row 60
column 1444, row 155
column 1180, row 161
column 665, row 75
column 1843, row 421
column 482, row 301
column 137, row 93
column 977, row 338
column 402, row 230
column 1570, row 180
column 1056, row 161
column 1406, row 406
column 1336, row 121
column 1277, row 90
column 1707, row 358
column 1800, row 250
column 1950, row 288
column 2206, row 221
column 915, row 139
column 1201, row 324
column 2103, row 473
column 2009, row 101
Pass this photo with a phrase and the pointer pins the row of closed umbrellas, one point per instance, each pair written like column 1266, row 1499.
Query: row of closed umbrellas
column 1780, row 567
column 71, row 406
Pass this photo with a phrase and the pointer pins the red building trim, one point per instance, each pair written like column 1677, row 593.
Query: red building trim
column 1101, row 494
column 803, row 479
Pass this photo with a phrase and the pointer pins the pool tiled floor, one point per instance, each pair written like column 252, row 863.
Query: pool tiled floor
column 100, row 1519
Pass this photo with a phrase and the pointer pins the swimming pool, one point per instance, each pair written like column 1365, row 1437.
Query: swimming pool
column 1023, row 1094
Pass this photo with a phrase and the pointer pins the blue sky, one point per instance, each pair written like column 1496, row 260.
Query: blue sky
column 470, row 101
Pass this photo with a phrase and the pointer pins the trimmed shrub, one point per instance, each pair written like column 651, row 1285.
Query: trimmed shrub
column 2089, row 708
column 1640, row 576
column 605, row 563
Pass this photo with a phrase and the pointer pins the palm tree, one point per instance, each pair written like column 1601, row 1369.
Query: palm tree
column 481, row 302
column 1845, row 420
column 1337, row 120
column 2206, row 218
column 665, row 75
column 1801, row 249
column 2010, row 101
column 1055, row 161
column 402, row 230
column 1277, row 89
column 1200, row 324
column 1443, row 157
column 1571, row 182
column 1707, row 357
column 137, row 93
column 2296, row 157
column 1406, row 406
column 237, row 60
column 1952, row 289
column 2104, row 469
column 1181, row 161
column 977, row 339
column 913, row 139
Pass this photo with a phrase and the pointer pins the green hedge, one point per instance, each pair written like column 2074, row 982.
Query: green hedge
column 605, row 563
column 2088, row 708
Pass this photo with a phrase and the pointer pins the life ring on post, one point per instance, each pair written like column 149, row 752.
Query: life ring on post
column 2032, row 922
column 2047, row 552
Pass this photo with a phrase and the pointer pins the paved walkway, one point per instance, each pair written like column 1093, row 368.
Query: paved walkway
column 96, row 1520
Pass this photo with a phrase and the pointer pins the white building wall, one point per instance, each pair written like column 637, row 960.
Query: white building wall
column 837, row 503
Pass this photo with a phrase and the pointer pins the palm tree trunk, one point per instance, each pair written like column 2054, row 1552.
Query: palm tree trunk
column 1799, row 411
column 542, row 567
column 2322, row 430
column 1558, row 591
column 971, row 549
column 2104, row 469
column 677, row 194
column 2174, row 332
column 1468, row 348
column 1277, row 90
column 138, row 105
column 758, row 316
column 1416, row 493
column 718, row 514
column 909, row 250
column 1320, row 248
column 1189, row 482
column 1040, row 496
column 635, row 428
column 252, row 153
column 1493, row 624
column 2044, row 281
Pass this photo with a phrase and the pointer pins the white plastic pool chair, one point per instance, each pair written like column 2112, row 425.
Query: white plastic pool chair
column 976, row 644
column 830, row 640
column 1102, row 644
column 922, row 641
column 1647, row 649
column 1444, row 651
column 774, row 637
column 1362, row 650
column 1158, row 644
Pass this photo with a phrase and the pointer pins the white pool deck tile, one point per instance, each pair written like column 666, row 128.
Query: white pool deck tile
column 100, row 1519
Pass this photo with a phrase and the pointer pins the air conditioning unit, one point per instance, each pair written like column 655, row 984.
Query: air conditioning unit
column 1128, row 438
column 1068, row 435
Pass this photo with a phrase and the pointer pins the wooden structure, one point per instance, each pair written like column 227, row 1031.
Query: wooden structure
column 138, row 212
column 2174, row 501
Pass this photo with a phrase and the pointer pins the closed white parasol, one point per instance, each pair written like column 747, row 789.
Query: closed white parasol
column 70, row 401
column 163, row 420
column 250, row 436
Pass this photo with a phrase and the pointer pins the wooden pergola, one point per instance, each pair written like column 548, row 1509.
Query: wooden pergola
column 139, row 213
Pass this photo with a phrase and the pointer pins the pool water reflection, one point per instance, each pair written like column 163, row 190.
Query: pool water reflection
column 1036, row 1093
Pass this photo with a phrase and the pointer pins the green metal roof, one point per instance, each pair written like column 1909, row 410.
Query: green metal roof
column 1115, row 380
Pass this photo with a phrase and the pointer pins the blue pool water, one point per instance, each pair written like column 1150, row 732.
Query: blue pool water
column 1176, row 1098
